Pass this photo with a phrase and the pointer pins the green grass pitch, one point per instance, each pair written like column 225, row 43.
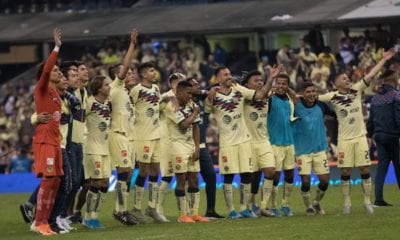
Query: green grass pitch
column 383, row 224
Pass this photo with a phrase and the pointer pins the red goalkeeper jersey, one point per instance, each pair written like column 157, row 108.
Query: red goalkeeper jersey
column 48, row 100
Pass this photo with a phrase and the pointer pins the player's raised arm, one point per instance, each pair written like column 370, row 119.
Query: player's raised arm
column 128, row 56
column 263, row 92
column 51, row 61
column 386, row 56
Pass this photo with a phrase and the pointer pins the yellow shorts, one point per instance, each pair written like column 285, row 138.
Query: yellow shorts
column 148, row 151
column 235, row 159
column 353, row 152
column 262, row 155
column 317, row 162
column 166, row 167
column 284, row 157
column 182, row 160
column 96, row 166
column 120, row 155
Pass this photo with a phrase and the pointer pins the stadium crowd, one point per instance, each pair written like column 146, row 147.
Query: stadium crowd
column 166, row 109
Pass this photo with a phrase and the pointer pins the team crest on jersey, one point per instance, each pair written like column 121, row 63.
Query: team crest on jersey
column 254, row 116
column 49, row 169
column 352, row 120
column 150, row 97
column 97, row 172
column 102, row 126
column 229, row 104
column 145, row 156
column 125, row 161
column 226, row 168
column 345, row 100
column 150, row 112
column 178, row 167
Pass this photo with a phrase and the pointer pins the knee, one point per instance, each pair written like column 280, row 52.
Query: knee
column 323, row 185
column 305, row 186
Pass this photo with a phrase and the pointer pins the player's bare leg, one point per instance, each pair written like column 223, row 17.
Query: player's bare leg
column 346, row 190
column 194, row 197
column 366, row 187
column 321, row 189
column 287, row 190
column 305, row 193
column 267, row 188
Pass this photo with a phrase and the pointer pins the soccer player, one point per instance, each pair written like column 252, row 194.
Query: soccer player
column 281, row 137
column 167, row 171
column 79, row 139
column 77, row 129
column 206, row 164
column 46, row 140
column 384, row 125
column 146, row 99
column 118, row 138
column 310, row 145
column 97, row 162
column 262, row 153
column 226, row 102
column 353, row 148
column 184, row 137
column 68, row 106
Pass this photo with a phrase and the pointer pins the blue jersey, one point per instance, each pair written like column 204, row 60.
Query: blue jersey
column 279, row 124
column 309, row 131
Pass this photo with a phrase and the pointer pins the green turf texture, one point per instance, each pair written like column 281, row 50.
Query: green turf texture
column 383, row 224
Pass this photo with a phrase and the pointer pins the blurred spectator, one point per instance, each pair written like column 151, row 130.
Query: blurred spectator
column 264, row 67
column 284, row 56
column 382, row 37
column 315, row 39
column 21, row 163
column 322, row 70
column 366, row 57
column 219, row 54
column 110, row 57
column 327, row 58
column 5, row 155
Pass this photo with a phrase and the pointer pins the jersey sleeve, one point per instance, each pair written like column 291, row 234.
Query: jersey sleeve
column 361, row 85
column 247, row 93
column 117, row 83
column 325, row 97
column 45, row 77
column 207, row 106
column 34, row 119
